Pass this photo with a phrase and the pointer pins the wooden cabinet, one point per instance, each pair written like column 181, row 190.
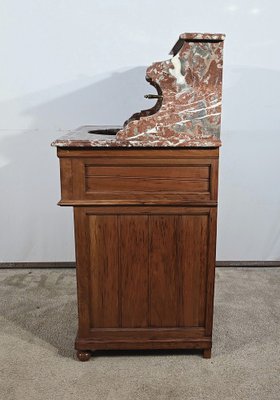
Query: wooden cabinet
column 145, row 233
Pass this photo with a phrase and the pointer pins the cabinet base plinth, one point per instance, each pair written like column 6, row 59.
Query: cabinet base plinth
column 86, row 346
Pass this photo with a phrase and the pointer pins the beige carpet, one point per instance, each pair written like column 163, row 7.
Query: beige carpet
column 38, row 326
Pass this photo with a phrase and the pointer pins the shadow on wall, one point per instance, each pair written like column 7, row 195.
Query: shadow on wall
column 35, row 228
column 108, row 101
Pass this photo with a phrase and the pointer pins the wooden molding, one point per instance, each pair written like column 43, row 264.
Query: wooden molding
column 72, row 264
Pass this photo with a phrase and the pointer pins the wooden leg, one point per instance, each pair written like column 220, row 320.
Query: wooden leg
column 206, row 353
column 83, row 355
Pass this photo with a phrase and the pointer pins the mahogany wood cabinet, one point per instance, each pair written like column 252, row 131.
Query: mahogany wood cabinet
column 145, row 237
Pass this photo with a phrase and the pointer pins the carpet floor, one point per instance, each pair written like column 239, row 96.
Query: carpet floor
column 38, row 328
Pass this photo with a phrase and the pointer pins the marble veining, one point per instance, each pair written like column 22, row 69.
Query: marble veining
column 82, row 138
column 190, row 99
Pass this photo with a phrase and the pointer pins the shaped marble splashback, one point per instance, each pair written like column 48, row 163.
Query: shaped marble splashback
column 188, row 107
column 190, row 84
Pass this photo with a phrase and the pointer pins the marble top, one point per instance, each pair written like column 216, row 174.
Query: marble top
column 82, row 138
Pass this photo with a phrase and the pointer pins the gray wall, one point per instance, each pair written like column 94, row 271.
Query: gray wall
column 66, row 63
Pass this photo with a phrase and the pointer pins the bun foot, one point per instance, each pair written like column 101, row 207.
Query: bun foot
column 206, row 353
column 83, row 355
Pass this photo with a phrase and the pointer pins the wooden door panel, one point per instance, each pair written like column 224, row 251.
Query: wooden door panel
column 164, row 283
column 103, row 271
column 118, row 270
column 133, row 261
column 192, row 258
column 178, row 270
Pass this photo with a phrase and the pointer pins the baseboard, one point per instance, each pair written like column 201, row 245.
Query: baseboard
column 37, row 265
column 245, row 264
column 67, row 264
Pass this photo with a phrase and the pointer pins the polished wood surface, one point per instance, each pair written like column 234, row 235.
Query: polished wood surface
column 133, row 176
column 145, row 235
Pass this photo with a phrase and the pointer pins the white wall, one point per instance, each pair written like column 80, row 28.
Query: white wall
column 63, row 61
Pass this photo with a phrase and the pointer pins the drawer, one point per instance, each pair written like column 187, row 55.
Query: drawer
column 146, row 178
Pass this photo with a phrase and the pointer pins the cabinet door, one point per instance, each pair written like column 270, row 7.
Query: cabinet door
column 145, row 267
column 118, row 270
column 178, row 269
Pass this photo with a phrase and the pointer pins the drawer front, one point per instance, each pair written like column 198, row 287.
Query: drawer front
column 146, row 180
column 130, row 180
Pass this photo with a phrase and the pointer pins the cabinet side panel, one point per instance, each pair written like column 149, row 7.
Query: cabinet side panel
column 192, row 253
column 66, row 178
column 103, row 266
column 163, row 271
column 211, row 270
column 81, row 238
column 133, row 245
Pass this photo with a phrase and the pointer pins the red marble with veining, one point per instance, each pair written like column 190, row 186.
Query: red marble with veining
column 81, row 138
column 190, row 111
column 203, row 36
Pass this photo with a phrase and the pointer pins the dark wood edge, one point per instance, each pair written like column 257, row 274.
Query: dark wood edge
column 131, row 202
column 72, row 264
column 138, row 152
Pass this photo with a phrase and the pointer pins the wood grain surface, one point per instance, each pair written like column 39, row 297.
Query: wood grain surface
column 145, row 236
